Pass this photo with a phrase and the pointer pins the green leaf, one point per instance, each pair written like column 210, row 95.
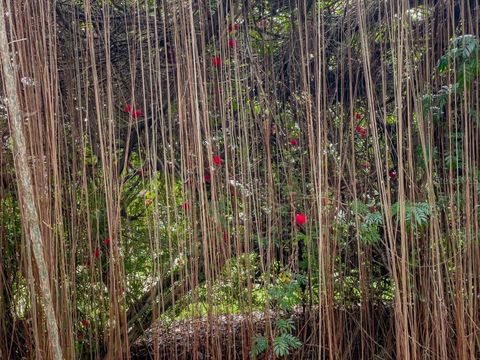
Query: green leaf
column 285, row 325
column 260, row 344
column 359, row 207
column 442, row 64
column 374, row 218
column 284, row 343
column 369, row 234
column 466, row 42
column 280, row 346
column 416, row 214
column 292, row 341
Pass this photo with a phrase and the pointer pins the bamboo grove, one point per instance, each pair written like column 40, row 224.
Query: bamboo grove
column 187, row 179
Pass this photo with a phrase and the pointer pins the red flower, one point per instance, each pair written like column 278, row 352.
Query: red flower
column 232, row 43
column 85, row 323
column 366, row 165
column 392, row 174
column 217, row 160
column 361, row 131
column 293, row 142
column 137, row 113
column 134, row 113
column 300, row 219
column 107, row 241
column 186, row 206
column 207, row 177
column 233, row 27
column 96, row 253
column 217, row 61
column 358, row 116
column 225, row 236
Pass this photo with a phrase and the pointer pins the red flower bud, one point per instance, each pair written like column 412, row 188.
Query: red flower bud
column 361, row 131
column 96, row 253
column 134, row 113
column 233, row 27
column 207, row 177
column 137, row 113
column 293, row 142
column 217, row 160
column 232, row 43
column 300, row 219
column 392, row 174
column 217, row 61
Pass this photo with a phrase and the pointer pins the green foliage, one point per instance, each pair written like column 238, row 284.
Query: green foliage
column 260, row 344
column 235, row 291
column 454, row 158
column 369, row 234
column 236, row 276
column 371, row 221
column 285, row 293
column 374, row 218
column 280, row 346
column 369, row 230
column 284, row 343
column 285, row 326
column 359, row 207
column 347, row 289
column 463, row 55
column 416, row 214
column 462, row 59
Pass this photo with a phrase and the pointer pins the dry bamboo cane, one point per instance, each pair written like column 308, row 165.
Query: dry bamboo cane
column 25, row 188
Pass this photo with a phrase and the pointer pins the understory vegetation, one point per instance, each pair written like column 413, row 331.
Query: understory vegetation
column 239, row 179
